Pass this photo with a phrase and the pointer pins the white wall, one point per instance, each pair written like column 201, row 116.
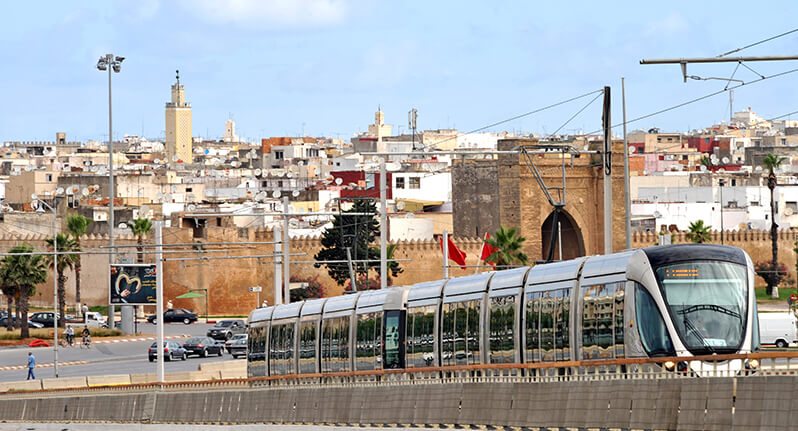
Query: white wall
column 402, row 228
column 434, row 186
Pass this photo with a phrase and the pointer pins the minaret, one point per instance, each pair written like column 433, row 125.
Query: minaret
column 379, row 128
column 178, row 125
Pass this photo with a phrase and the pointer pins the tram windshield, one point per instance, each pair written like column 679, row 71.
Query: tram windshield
column 707, row 302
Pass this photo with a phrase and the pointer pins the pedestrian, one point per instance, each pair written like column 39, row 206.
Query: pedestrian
column 169, row 304
column 31, row 366
column 85, row 311
column 265, row 304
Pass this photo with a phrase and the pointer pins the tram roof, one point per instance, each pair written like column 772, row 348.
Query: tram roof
column 554, row 272
column 341, row 303
column 468, row 284
column 426, row 290
column 667, row 254
column 383, row 299
column 616, row 263
column 508, row 278
column 285, row 311
column 260, row 314
column 313, row 306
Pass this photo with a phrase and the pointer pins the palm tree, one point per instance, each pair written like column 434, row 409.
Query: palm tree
column 508, row 243
column 699, row 232
column 78, row 226
column 66, row 244
column 140, row 227
column 393, row 266
column 10, row 292
column 24, row 272
column 771, row 162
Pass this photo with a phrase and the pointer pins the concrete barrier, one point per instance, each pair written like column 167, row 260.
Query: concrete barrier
column 23, row 385
column 112, row 380
column 64, row 382
column 138, row 379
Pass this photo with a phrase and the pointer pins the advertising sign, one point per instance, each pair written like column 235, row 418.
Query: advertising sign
column 132, row 284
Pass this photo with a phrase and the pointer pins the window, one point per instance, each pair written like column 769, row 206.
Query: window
column 48, row 177
column 792, row 207
column 420, row 336
column 335, row 344
column 369, row 181
column 602, row 321
column 414, row 183
column 307, row 345
column 278, row 155
column 460, row 341
column 400, row 182
column 394, row 356
column 502, row 330
column 367, row 342
column 189, row 189
column 653, row 332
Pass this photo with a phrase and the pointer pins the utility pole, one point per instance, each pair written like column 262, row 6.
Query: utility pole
column 445, row 247
column 383, row 228
column 159, row 296
column 278, row 271
column 286, row 257
column 607, row 168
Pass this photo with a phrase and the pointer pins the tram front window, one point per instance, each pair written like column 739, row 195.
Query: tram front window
column 707, row 302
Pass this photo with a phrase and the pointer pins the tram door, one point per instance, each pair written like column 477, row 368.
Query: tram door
column 393, row 339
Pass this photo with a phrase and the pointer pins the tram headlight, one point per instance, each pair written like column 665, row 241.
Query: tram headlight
column 670, row 365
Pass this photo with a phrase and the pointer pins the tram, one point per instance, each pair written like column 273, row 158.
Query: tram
column 679, row 300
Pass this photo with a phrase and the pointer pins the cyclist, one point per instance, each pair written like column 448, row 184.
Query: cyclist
column 70, row 335
column 86, row 336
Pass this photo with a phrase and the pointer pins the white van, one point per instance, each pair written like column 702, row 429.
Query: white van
column 778, row 328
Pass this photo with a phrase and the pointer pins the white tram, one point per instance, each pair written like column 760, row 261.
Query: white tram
column 678, row 300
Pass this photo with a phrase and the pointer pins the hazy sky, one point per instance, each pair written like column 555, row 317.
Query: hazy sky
column 321, row 67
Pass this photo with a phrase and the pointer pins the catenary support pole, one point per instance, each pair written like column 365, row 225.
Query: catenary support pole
column 159, row 296
column 286, row 257
column 445, row 247
column 383, row 228
column 55, row 290
column 607, row 172
column 627, row 199
column 351, row 269
column 112, row 256
column 278, row 266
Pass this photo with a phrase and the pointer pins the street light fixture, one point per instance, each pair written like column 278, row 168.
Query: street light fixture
column 721, row 183
column 109, row 62
column 40, row 210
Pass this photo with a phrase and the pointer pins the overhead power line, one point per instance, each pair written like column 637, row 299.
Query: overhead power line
column 758, row 43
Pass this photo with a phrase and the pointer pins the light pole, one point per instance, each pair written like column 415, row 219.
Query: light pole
column 110, row 62
column 721, row 182
column 40, row 210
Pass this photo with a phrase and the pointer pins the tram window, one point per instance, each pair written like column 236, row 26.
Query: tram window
column 473, row 335
column 532, row 327
column 653, row 332
column 307, row 346
column 288, row 348
column 547, row 326
column 365, row 341
column 420, row 336
column 344, row 344
column 460, row 329
column 447, row 334
column 755, row 342
column 393, row 338
column 275, row 365
column 566, row 324
column 619, row 326
column 502, row 329
column 561, row 324
column 590, row 310
column 604, row 321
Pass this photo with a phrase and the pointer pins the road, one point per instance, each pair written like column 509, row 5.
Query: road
column 102, row 359
column 178, row 427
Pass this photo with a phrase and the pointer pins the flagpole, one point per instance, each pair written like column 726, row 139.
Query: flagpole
column 445, row 247
column 479, row 257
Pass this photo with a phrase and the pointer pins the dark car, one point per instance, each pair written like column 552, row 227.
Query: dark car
column 225, row 329
column 238, row 348
column 43, row 317
column 172, row 350
column 175, row 315
column 203, row 346
column 31, row 324
column 229, row 342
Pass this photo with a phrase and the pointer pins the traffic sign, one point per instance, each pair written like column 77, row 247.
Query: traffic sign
column 793, row 299
column 255, row 289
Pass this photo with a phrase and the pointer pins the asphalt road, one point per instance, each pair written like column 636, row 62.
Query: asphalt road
column 103, row 359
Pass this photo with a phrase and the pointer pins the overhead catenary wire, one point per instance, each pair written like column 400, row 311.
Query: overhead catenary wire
column 758, row 43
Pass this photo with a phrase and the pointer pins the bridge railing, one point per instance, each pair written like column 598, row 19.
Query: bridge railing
column 751, row 365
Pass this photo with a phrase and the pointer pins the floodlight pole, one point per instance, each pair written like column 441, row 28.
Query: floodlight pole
column 159, row 296
column 55, row 285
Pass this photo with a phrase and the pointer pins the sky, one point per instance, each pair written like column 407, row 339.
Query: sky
column 323, row 67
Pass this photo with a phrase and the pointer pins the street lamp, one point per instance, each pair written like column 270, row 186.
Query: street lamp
column 721, row 183
column 40, row 211
column 110, row 62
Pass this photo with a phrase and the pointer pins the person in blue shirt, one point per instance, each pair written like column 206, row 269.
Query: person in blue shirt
column 31, row 366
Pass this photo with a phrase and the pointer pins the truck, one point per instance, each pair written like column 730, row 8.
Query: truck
column 778, row 328
column 93, row 320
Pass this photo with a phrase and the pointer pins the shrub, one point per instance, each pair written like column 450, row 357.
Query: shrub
column 314, row 288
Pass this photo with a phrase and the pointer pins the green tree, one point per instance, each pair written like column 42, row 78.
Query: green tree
column 67, row 245
column 10, row 292
column 706, row 161
column 78, row 226
column 771, row 162
column 393, row 267
column 140, row 227
column 699, row 232
column 508, row 244
column 357, row 233
column 24, row 272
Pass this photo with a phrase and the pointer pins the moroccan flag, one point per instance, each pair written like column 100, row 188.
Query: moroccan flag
column 487, row 250
column 455, row 253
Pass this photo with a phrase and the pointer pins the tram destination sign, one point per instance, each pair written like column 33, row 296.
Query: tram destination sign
column 132, row 284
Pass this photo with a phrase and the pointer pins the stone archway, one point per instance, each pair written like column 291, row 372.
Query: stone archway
column 572, row 244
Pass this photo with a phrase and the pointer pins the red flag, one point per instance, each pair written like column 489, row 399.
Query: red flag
column 455, row 254
column 487, row 250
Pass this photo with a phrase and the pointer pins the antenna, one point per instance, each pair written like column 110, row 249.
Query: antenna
column 177, row 76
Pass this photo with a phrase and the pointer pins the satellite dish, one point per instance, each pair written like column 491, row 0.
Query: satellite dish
column 725, row 160
column 280, row 173
column 175, row 158
column 632, row 150
column 167, row 197
column 721, row 170
column 192, row 207
column 236, row 163
column 339, row 180
column 123, row 226
column 34, row 196
column 157, row 161
column 316, row 171
column 703, row 168
column 400, row 205
column 788, row 211
column 159, row 195
column 84, row 192
column 69, row 191
column 293, row 223
column 392, row 167
column 59, row 191
column 28, row 168
column 657, row 214
column 174, row 189
column 289, row 175
column 409, row 215
column 144, row 209
column 258, row 172
column 301, row 163
column 276, row 194
column 295, row 193
column 758, row 169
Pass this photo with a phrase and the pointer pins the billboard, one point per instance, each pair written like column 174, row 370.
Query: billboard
column 132, row 284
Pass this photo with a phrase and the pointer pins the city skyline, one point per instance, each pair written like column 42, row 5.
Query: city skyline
column 322, row 67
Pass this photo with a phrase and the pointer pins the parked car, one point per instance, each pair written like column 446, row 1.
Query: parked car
column 171, row 350
column 225, row 329
column 43, row 317
column 203, row 346
column 778, row 328
column 93, row 320
column 229, row 342
column 238, row 347
column 175, row 315
column 31, row 324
